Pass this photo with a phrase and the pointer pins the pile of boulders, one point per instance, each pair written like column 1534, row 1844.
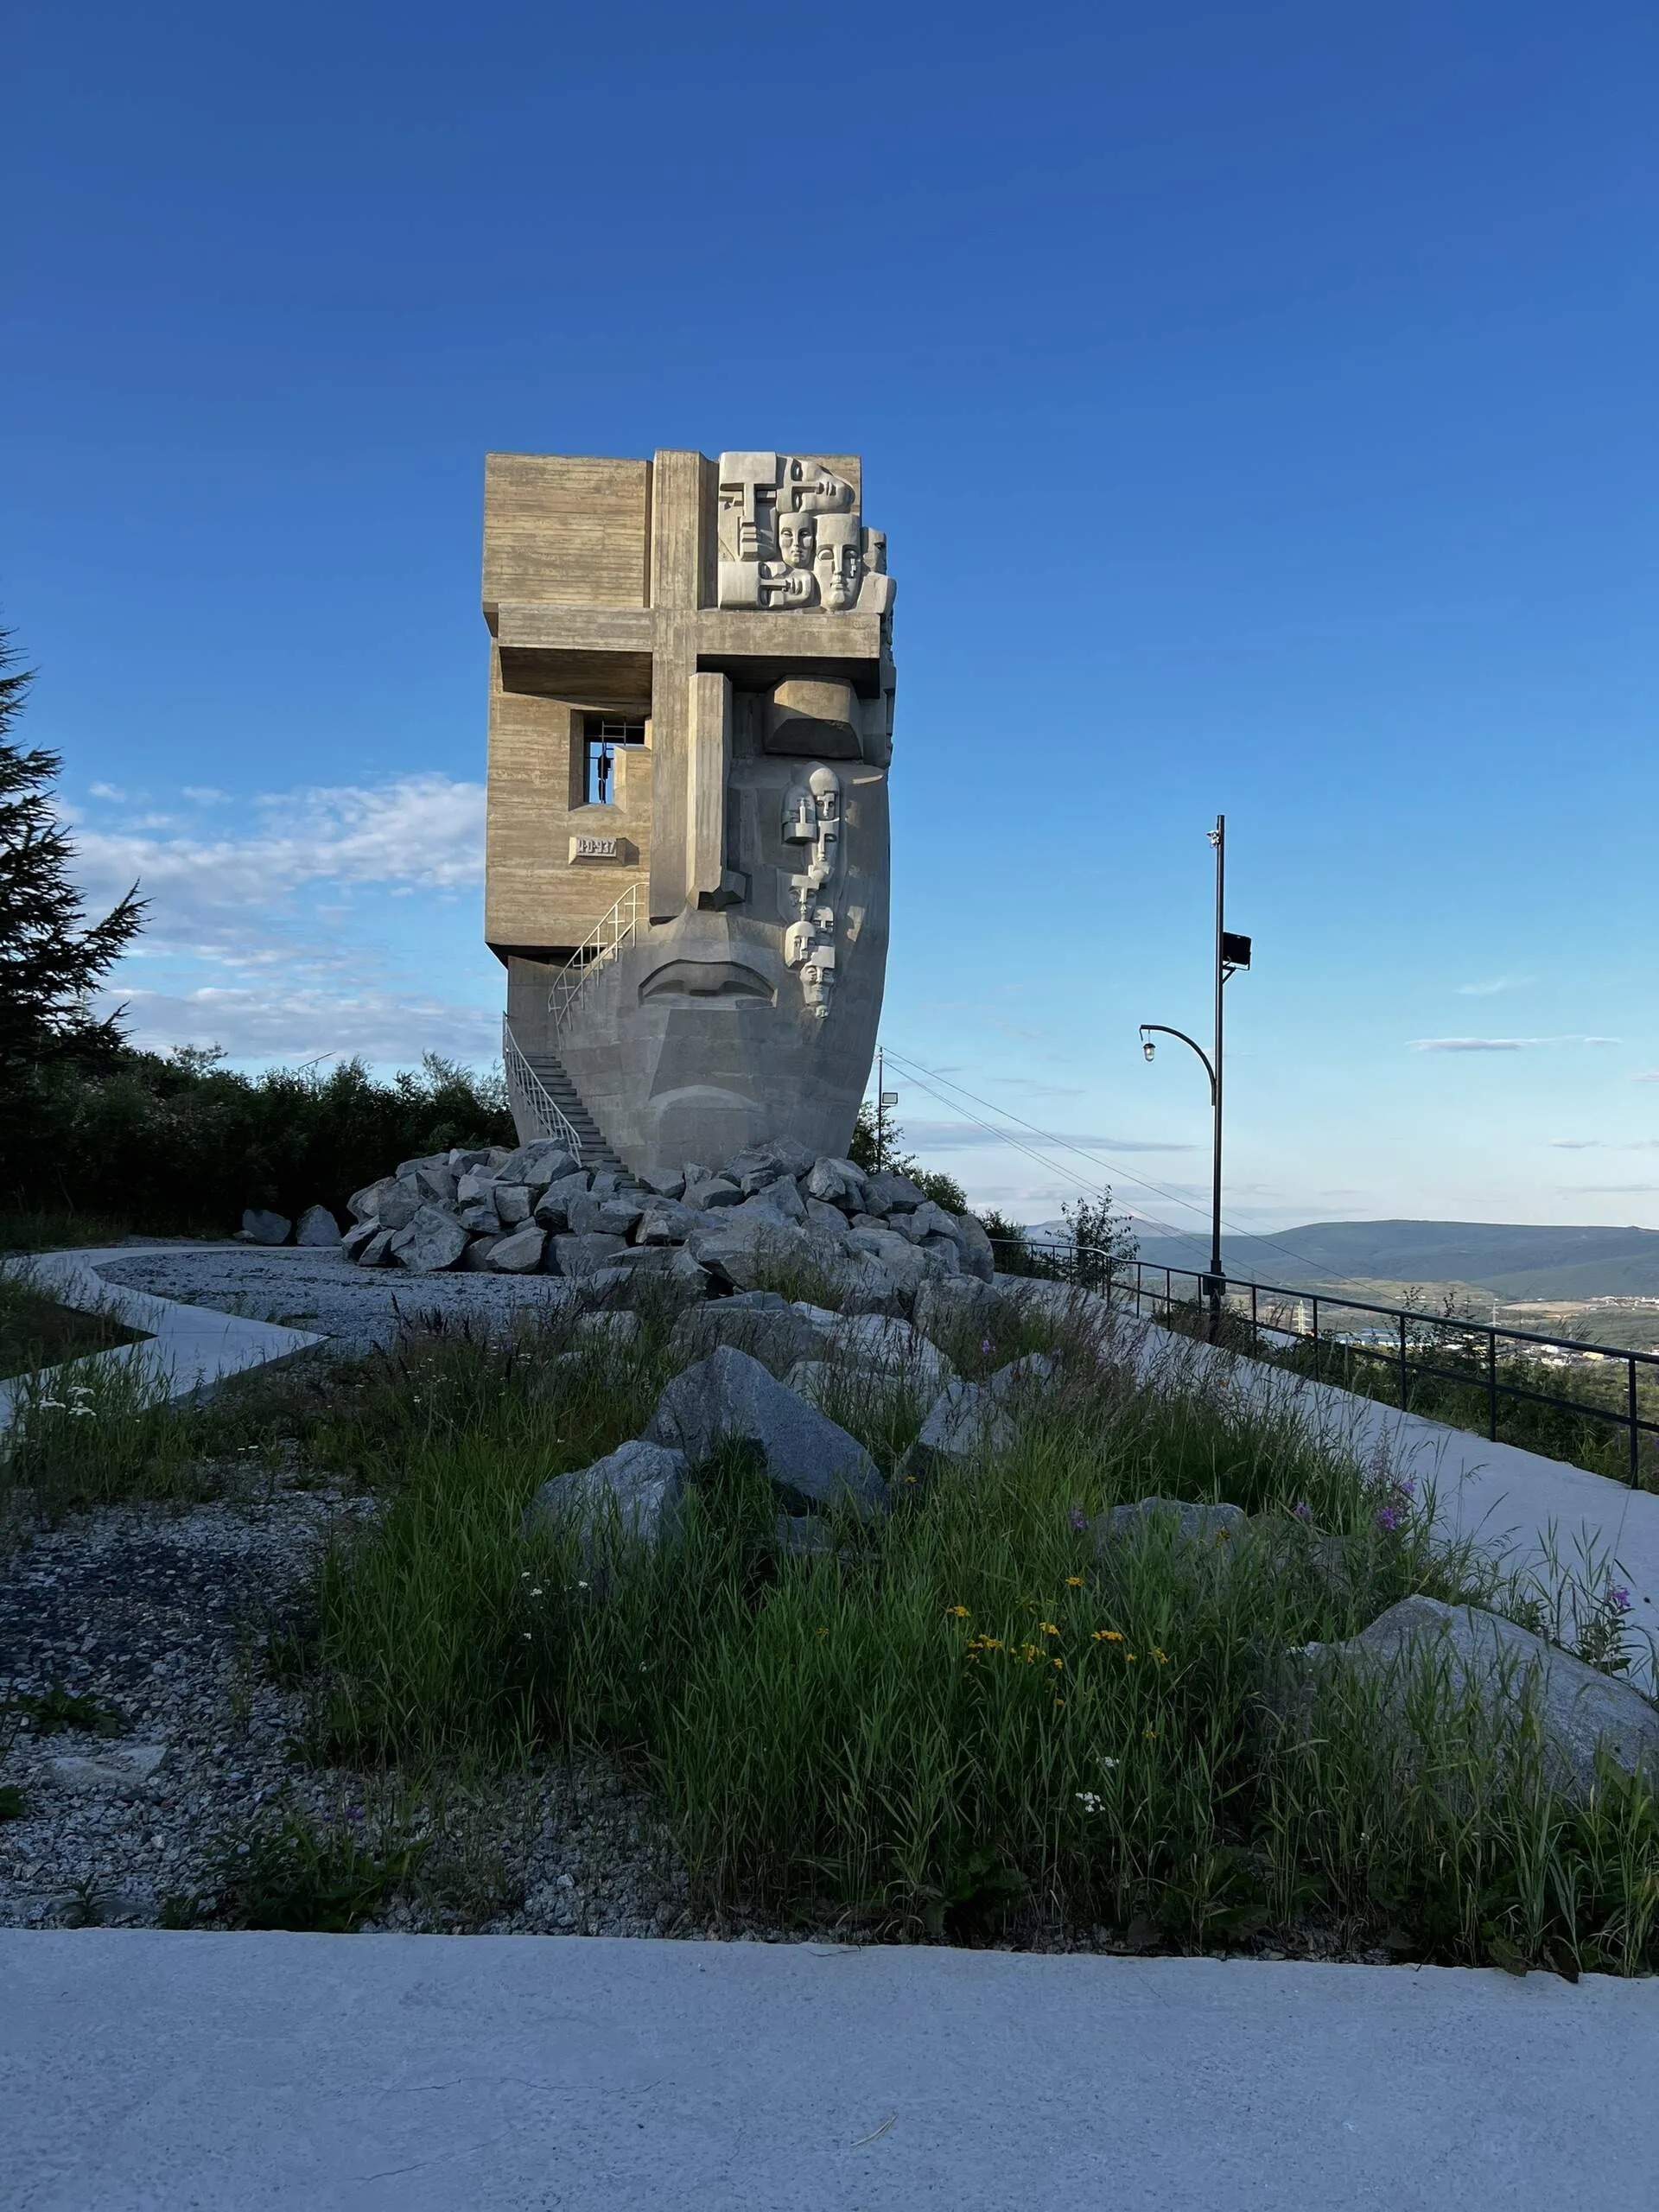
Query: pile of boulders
column 866, row 1240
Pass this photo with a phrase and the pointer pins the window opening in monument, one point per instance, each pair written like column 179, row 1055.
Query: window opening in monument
column 605, row 735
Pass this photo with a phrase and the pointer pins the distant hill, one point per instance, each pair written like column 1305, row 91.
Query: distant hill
column 1515, row 1260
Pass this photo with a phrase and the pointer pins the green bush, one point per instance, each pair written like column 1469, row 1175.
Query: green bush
column 181, row 1143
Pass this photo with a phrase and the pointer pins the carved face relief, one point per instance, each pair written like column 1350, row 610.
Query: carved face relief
column 810, row 489
column 797, row 540
column 791, row 537
column 838, row 562
column 748, row 506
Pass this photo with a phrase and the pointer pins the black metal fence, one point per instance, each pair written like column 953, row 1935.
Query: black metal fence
column 1273, row 1319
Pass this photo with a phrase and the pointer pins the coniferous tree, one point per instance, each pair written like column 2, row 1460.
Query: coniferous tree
column 51, row 958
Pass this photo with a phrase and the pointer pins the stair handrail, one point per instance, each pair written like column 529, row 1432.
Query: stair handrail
column 530, row 1097
column 602, row 943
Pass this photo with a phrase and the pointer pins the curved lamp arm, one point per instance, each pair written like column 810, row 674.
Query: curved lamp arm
column 1164, row 1030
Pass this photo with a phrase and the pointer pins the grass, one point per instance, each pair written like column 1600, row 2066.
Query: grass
column 963, row 1718
column 963, row 1721
column 35, row 1330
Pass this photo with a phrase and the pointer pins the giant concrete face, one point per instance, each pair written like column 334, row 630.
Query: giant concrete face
column 731, row 982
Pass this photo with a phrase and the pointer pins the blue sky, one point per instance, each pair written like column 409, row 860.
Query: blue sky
column 1258, row 399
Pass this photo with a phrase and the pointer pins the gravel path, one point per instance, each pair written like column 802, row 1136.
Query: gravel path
column 357, row 1307
column 162, row 1617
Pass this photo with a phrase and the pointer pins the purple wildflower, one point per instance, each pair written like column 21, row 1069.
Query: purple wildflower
column 1619, row 1598
column 1389, row 1517
column 985, row 1346
column 1304, row 1511
column 1079, row 1519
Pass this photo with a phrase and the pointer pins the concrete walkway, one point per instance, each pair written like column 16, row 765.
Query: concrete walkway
column 427, row 2074
column 190, row 1347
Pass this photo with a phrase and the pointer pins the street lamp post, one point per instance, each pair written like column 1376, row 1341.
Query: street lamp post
column 1232, row 953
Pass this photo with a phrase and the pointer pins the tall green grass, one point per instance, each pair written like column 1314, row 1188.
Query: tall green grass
column 964, row 1711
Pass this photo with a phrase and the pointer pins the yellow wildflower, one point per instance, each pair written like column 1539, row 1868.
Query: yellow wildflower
column 1059, row 1662
column 1131, row 1654
column 1074, row 1582
column 957, row 1612
column 1105, row 1636
column 1160, row 1655
column 1048, row 1628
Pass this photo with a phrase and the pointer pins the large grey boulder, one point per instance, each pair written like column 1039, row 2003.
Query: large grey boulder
column 1215, row 1528
column 780, row 1197
column 582, row 1256
column 760, row 1323
column 636, row 1494
column 764, row 1163
column 316, row 1225
column 942, row 1255
column 898, row 1352
column 399, row 1206
column 820, row 1214
column 840, row 1184
column 978, row 1253
column 436, row 1181
column 1480, row 1655
column 434, row 1240
column 741, row 1244
column 730, row 1397
column 376, row 1253
column 513, row 1203
column 891, row 1194
column 710, row 1190
column 663, row 1220
column 474, row 1185
column 361, row 1233
column 963, row 1424
column 947, row 1302
column 475, row 1260
column 931, row 1220
column 544, row 1161
column 364, row 1205
column 481, row 1219
column 1025, row 1377
column 591, row 1214
column 519, row 1254
column 899, row 1259
column 261, row 1226
column 552, row 1208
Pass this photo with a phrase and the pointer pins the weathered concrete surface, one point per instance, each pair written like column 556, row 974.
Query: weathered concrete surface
column 525, row 2073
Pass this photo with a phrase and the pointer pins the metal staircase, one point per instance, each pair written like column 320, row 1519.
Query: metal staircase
column 543, row 1095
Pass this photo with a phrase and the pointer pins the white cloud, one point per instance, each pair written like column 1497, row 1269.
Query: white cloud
column 277, row 940
column 1497, row 983
column 301, row 1022
column 1500, row 1044
column 426, row 832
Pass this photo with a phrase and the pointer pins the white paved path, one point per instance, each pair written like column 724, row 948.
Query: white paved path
column 192, row 1346
column 525, row 2073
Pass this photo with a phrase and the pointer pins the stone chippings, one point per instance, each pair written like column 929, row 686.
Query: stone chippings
column 163, row 1616
column 874, row 1241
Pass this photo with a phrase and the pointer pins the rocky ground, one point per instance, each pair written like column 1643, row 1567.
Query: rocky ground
column 313, row 1287
column 160, row 1620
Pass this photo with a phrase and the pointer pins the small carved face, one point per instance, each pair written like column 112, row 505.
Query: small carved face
column 826, row 793
column 748, row 506
column 836, row 563
column 797, row 540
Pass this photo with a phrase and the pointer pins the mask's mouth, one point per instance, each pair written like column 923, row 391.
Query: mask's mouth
column 705, row 982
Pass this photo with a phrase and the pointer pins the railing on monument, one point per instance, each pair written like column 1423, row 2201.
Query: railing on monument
column 602, row 945
column 530, row 1098
column 1393, row 1349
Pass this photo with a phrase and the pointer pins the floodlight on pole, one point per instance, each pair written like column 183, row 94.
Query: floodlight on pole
column 1232, row 954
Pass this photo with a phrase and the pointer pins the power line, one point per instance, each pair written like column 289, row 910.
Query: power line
column 1096, row 1159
